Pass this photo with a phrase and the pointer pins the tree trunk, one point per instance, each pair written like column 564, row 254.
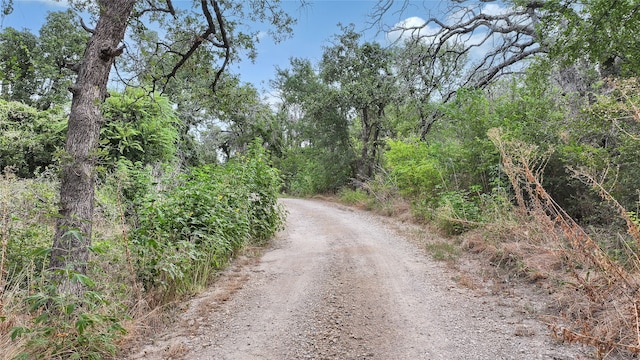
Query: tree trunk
column 365, row 134
column 70, row 251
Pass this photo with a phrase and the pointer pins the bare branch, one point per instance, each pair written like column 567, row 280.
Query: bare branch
column 509, row 36
column 212, row 27
column 225, row 41
column 152, row 8
column 85, row 27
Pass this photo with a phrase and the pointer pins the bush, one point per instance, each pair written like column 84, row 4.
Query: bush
column 179, row 232
column 67, row 326
column 458, row 211
column 139, row 127
column 37, row 323
column 28, row 208
column 413, row 169
column 356, row 197
column 190, row 230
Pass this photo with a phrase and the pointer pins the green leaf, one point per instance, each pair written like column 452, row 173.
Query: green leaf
column 83, row 322
column 41, row 251
column 75, row 233
column 68, row 309
column 83, row 279
column 18, row 331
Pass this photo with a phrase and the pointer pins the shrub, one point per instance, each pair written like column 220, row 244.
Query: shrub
column 139, row 127
column 356, row 197
column 413, row 169
column 37, row 323
column 65, row 326
column 192, row 229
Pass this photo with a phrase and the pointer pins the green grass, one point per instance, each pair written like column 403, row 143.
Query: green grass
column 443, row 251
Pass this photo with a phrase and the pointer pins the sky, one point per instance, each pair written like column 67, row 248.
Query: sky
column 317, row 23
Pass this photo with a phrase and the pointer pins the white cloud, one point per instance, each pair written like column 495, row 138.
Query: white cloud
column 261, row 35
column 412, row 27
column 495, row 9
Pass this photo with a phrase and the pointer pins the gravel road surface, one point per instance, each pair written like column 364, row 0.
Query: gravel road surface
column 339, row 283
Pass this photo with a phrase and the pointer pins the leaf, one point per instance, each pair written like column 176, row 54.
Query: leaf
column 116, row 327
column 83, row 279
column 18, row 331
column 75, row 233
column 83, row 322
column 41, row 251
column 68, row 309
column 99, row 248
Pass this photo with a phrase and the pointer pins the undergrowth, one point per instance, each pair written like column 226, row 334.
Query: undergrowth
column 159, row 236
column 593, row 273
column 600, row 294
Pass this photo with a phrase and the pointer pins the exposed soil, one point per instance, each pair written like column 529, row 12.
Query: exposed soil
column 340, row 283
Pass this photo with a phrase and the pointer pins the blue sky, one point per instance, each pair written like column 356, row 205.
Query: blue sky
column 316, row 26
column 317, row 23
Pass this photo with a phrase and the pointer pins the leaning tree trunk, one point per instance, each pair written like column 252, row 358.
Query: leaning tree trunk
column 70, row 251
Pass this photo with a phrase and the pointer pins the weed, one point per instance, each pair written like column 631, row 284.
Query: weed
column 357, row 197
column 443, row 251
column 170, row 232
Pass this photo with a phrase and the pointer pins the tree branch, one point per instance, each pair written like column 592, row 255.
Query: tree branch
column 85, row 27
column 510, row 36
column 225, row 42
column 152, row 8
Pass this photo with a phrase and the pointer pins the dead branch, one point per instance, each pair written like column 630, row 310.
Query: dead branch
column 153, row 8
column 510, row 37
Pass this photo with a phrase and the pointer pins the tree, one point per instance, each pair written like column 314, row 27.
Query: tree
column 207, row 28
column 61, row 45
column 241, row 117
column 500, row 37
column 362, row 74
column 35, row 70
column 602, row 31
column 317, row 153
column 507, row 36
column 17, row 65
column 70, row 250
column 424, row 79
column 29, row 138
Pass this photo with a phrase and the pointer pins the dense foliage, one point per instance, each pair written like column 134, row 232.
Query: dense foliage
column 209, row 213
column 139, row 128
column 37, row 69
column 159, row 233
column 29, row 138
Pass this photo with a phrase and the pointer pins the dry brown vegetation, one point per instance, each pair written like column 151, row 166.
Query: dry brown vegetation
column 599, row 296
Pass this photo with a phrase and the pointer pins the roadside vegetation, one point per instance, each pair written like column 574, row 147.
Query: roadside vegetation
column 173, row 197
column 161, row 235
column 525, row 154
column 535, row 170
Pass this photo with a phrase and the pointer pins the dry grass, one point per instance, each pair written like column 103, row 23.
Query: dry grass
column 13, row 312
column 599, row 302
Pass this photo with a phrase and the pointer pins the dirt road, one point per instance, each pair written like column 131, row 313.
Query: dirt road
column 340, row 284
